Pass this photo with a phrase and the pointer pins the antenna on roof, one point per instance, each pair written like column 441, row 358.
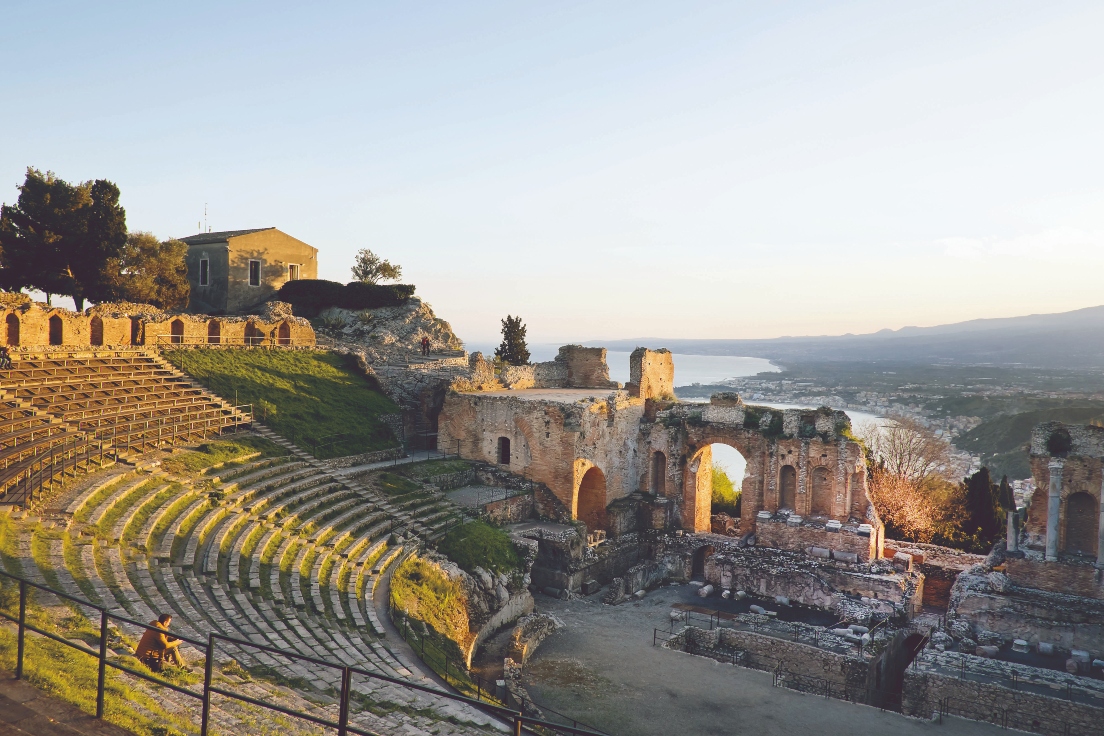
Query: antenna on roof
column 205, row 228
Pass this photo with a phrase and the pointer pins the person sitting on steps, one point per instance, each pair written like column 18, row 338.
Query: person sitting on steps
column 5, row 358
column 157, row 647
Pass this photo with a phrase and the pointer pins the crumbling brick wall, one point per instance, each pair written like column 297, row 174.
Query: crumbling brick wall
column 651, row 374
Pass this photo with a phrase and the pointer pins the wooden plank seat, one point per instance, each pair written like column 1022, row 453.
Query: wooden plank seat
column 134, row 412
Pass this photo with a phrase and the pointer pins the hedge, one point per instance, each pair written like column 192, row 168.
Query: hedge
column 308, row 297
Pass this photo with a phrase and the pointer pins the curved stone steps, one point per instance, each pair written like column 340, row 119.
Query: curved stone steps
column 211, row 549
column 300, row 516
column 144, row 538
column 251, row 531
column 255, row 557
column 118, row 530
column 287, row 493
column 128, row 486
column 244, row 489
column 296, row 574
column 198, row 506
column 200, row 534
column 242, row 473
column 78, row 503
column 274, row 571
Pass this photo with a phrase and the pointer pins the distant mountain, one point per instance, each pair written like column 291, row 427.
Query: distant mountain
column 1073, row 340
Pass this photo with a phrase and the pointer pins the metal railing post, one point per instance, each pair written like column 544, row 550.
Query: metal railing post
column 517, row 725
column 346, row 688
column 208, row 674
column 102, row 676
column 22, row 628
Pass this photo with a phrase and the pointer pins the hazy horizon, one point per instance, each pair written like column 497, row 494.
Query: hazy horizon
column 708, row 171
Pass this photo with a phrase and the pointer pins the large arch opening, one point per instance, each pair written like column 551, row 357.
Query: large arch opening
column 714, row 488
column 787, row 488
column 12, row 323
column 253, row 334
column 95, row 330
column 592, row 499
column 137, row 335
column 214, row 332
column 283, row 334
column 57, row 334
column 1082, row 517
column 697, row 565
column 820, row 498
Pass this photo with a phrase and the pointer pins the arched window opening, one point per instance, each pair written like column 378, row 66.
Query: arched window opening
column 253, row 334
column 592, row 500
column 57, row 336
column 820, row 503
column 214, row 332
column 787, row 488
column 1082, row 517
column 176, row 330
column 659, row 473
column 284, row 334
column 503, row 450
column 13, row 330
column 95, row 329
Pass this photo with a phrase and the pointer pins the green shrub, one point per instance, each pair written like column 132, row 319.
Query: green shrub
column 395, row 485
column 218, row 452
column 726, row 497
column 479, row 544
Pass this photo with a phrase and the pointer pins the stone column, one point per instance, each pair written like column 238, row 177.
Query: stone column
column 1100, row 531
column 1011, row 541
column 1053, row 503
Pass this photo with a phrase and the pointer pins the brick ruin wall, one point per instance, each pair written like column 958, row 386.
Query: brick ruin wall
column 848, row 540
column 30, row 325
column 651, row 374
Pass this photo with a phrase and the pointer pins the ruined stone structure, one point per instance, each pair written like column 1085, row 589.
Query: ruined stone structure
column 32, row 325
column 593, row 447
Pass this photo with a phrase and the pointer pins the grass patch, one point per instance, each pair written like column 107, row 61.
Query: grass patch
column 394, row 484
column 309, row 395
column 479, row 544
column 421, row 590
column 218, row 453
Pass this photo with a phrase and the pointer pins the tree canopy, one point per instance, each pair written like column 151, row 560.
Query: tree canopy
column 59, row 237
column 371, row 269
column 513, row 349
column 150, row 271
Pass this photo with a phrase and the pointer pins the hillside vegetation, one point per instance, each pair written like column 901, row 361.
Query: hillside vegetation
column 305, row 396
column 1002, row 440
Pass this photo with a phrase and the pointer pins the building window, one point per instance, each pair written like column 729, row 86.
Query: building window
column 254, row 273
column 293, row 272
column 204, row 272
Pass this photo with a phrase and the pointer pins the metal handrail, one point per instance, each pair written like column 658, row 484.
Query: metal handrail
column 518, row 720
column 255, row 341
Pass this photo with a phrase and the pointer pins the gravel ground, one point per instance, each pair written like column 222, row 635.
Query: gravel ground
column 603, row 670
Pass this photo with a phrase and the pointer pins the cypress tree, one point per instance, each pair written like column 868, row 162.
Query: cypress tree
column 513, row 349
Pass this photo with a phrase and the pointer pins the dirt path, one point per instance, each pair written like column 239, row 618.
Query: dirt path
column 603, row 670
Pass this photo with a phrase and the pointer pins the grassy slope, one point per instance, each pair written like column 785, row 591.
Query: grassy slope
column 309, row 395
column 1000, row 441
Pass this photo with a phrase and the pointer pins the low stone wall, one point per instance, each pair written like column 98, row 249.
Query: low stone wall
column 449, row 481
column 528, row 634
column 1014, row 708
column 364, row 458
column 511, row 510
column 776, row 532
column 1075, row 577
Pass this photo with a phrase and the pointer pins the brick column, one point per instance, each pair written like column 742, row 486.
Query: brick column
column 1053, row 503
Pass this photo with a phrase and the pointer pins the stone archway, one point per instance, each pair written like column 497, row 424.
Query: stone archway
column 95, row 329
column 787, row 488
column 214, row 332
column 1082, row 517
column 57, row 333
column 137, row 333
column 591, row 503
column 820, row 500
column 176, row 331
column 253, row 334
column 283, row 334
column 13, row 330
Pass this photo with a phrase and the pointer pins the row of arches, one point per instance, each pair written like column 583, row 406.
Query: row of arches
column 254, row 335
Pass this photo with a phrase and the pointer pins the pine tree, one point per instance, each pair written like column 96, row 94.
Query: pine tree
column 513, row 349
column 982, row 509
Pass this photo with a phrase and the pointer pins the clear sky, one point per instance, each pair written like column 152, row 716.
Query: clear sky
column 605, row 170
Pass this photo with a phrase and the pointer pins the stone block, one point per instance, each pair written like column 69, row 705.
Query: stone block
column 850, row 557
column 987, row 651
column 794, row 520
column 821, row 552
column 865, row 530
column 590, row 587
column 1020, row 645
column 833, row 525
column 1045, row 648
column 763, row 516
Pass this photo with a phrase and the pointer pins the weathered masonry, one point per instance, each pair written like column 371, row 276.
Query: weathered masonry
column 625, row 459
column 30, row 325
column 232, row 272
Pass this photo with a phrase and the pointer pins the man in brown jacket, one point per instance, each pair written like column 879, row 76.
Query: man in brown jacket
column 157, row 647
